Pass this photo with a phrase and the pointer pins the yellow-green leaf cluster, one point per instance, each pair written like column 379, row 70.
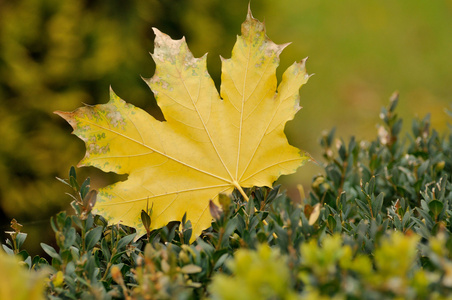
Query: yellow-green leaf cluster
column 261, row 274
column 17, row 282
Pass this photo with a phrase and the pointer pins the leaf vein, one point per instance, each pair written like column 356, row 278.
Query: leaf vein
column 161, row 153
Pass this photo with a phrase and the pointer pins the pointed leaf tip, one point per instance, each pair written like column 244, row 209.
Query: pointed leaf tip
column 68, row 116
column 249, row 14
column 167, row 49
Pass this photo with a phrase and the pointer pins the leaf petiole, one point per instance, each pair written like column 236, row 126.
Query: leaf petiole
column 239, row 188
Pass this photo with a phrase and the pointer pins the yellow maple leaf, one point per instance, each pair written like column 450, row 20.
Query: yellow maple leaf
column 208, row 144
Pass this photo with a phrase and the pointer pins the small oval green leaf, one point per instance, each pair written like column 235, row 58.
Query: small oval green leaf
column 435, row 207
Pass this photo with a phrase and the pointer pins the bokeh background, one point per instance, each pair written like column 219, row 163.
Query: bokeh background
column 56, row 55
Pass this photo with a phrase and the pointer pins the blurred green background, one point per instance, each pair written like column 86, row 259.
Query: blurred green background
column 56, row 55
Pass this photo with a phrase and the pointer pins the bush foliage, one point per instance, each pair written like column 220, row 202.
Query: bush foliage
column 377, row 225
column 58, row 54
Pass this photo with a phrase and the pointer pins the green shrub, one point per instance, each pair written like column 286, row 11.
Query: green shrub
column 377, row 225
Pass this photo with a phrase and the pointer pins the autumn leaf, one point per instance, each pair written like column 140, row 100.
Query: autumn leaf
column 209, row 144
